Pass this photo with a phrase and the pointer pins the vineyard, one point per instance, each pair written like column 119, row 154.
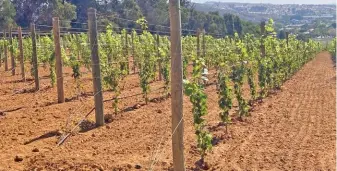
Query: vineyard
column 226, row 80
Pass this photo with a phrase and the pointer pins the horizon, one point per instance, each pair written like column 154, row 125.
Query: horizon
column 275, row 2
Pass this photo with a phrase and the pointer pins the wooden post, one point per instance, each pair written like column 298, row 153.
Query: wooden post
column 11, row 50
column 158, row 54
column 22, row 63
column 1, row 52
column 78, row 45
column 1, row 57
column 156, row 63
column 198, row 43
column 5, row 51
column 59, row 72
column 34, row 58
column 123, row 63
column 176, row 87
column 96, row 71
column 263, row 34
column 133, row 53
column 126, row 50
column 139, row 65
column 203, row 44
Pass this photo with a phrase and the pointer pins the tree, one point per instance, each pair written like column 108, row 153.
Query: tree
column 41, row 11
column 229, row 24
column 119, row 12
column 65, row 11
column 7, row 14
column 215, row 24
column 81, row 9
column 302, row 37
column 281, row 34
column 131, row 11
column 159, row 15
column 251, row 28
column 237, row 25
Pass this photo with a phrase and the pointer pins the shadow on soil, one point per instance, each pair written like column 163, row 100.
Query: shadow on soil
column 44, row 136
column 32, row 90
column 70, row 99
column 3, row 113
column 77, row 97
column 19, row 81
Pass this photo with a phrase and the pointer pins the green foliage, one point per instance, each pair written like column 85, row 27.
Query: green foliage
column 131, row 11
column 238, row 72
column 46, row 55
column 7, row 14
column 269, row 27
column 262, row 77
column 281, row 61
column 250, row 28
column 198, row 98
column 75, row 65
column 65, row 11
column 281, row 34
column 27, row 48
column 164, row 51
column 225, row 96
column 112, row 77
column 74, row 12
column 45, row 48
column 41, row 12
column 143, row 23
column 250, row 76
column 148, row 60
column 113, row 58
column 189, row 46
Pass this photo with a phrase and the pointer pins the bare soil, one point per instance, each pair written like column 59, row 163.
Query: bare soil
column 292, row 129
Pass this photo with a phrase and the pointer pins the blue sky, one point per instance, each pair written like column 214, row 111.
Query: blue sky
column 276, row 1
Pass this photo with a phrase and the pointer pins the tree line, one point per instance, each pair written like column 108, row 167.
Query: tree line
column 155, row 12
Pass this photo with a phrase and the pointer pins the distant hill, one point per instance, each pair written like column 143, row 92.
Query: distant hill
column 272, row 1
column 257, row 12
column 210, row 6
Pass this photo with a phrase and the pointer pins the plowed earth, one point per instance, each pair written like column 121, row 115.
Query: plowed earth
column 292, row 129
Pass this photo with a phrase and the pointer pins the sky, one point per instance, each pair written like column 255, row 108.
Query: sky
column 276, row 1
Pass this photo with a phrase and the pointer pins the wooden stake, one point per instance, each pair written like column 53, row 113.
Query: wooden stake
column 133, row 53
column 0, row 59
column 5, row 51
column 11, row 51
column 198, row 43
column 22, row 64
column 59, row 72
column 78, row 46
column 126, row 51
column 1, row 53
column 158, row 54
column 203, row 44
column 176, row 87
column 96, row 71
column 34, row 58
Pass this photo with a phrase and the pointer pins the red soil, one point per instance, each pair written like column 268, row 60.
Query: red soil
column 293, row 129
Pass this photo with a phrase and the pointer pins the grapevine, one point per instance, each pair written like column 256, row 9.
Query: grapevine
column 225, row 98
column 195, row 90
